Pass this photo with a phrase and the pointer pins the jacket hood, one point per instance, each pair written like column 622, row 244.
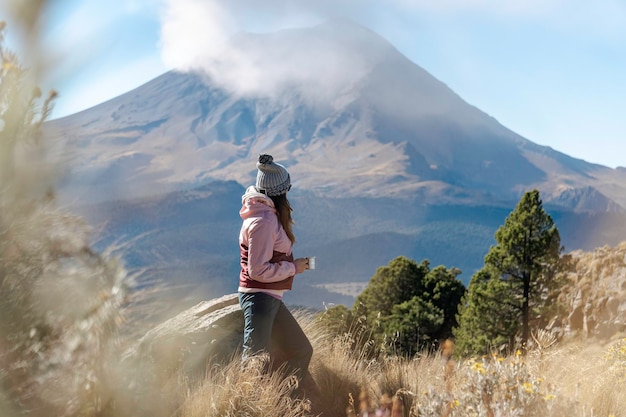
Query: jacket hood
column 254, row 202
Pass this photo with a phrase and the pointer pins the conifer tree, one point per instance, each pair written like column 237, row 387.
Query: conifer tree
column 395, row 283
column 410, row 304
column 488, row 314
column 517, row 283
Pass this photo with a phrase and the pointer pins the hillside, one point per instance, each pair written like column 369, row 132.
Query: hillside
column 596, row 294
column 187, row 240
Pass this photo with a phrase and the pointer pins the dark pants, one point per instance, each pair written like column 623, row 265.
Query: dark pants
column 269, row 326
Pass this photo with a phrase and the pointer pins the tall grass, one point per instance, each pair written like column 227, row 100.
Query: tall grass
column 576, row 379
column 60, row 302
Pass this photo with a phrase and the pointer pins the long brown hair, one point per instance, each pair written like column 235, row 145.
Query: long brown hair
column 284, row 214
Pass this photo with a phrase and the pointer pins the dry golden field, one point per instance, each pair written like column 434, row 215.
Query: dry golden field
column 575, row 379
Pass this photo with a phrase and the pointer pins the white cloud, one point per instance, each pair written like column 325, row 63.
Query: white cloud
column 195, row 32
column 196, row 36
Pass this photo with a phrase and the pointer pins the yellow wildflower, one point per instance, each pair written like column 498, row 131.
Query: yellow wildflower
column 478, row 367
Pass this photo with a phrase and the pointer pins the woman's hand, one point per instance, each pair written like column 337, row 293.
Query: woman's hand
column 301, row 265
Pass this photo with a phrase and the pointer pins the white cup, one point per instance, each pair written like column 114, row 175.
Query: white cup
column 311, row 262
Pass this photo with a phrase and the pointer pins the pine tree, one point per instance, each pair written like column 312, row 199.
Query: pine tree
column 518, row 281
column 410, row 304
column 395, row 283
column 488, row 315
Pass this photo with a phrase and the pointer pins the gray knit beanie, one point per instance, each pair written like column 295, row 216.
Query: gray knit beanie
column 272, row 179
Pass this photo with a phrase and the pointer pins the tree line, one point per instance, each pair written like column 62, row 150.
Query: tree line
column 409, row 307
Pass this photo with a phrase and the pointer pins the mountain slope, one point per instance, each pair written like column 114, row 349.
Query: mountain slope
column 186, row 241
column 364, row 121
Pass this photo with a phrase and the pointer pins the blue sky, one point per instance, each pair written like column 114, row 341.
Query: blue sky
column 553, row 71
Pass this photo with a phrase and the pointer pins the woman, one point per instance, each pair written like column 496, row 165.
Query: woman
column 268, row 269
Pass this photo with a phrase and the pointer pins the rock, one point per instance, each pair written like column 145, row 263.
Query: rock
column 595, row 296
column 211, row 331
column 576, row 319
column 149, row 376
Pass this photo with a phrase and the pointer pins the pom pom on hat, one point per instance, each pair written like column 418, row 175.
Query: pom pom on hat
column 272, row 179
column 265, row 159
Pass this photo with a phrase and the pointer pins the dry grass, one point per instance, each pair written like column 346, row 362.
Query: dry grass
column 591, row 374
column 582, row 379
column 232, row 391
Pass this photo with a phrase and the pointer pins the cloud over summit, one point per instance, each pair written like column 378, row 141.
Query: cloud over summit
column 210, row 38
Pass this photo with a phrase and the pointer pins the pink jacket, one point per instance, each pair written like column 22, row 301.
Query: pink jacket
column 266, row 251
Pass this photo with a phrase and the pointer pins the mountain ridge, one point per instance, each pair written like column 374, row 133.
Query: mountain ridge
column 393, row 131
